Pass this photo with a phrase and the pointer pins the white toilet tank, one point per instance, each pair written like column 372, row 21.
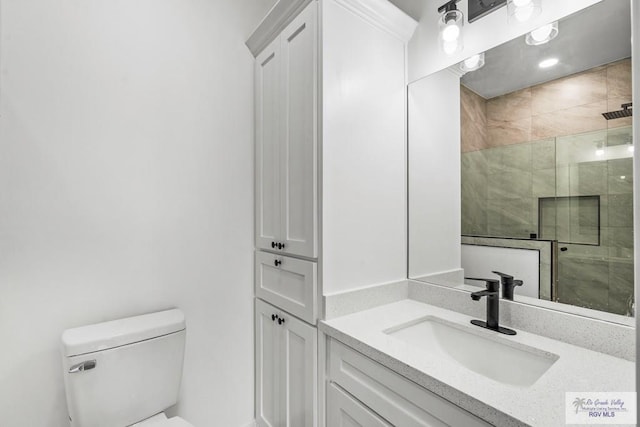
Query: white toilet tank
column 121, row 372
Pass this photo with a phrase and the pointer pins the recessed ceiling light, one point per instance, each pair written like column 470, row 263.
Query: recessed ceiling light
column 548, row 63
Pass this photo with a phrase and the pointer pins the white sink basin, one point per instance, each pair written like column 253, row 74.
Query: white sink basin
column 491, row 356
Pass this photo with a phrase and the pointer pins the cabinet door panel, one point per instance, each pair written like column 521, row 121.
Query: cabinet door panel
column 299, row 135
column 345, row 411
column 268, row 338
column 287, row 282
column 268, row 134
column 299, row 373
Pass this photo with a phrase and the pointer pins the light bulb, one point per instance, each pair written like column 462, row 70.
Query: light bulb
column 630, row 148
column 450, row 47
column 523, row 10
column 451, row 33
column 548, row 63
column 599, row 152
column 540, row 34
column 472, row 62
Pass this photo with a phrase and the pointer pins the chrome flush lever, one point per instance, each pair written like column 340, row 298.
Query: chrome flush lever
column 83, row 366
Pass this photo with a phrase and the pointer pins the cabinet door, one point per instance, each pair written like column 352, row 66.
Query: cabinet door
column 299, row 163
column 268, row 339
column 268, row 132
column 345, row 411
column 287, row 282
column 299, row 374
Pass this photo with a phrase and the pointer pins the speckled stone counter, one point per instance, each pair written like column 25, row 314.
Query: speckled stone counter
column 540, row 404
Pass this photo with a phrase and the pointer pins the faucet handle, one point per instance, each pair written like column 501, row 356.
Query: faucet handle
column 491, row 284
column 517, row 283
column 503, row 275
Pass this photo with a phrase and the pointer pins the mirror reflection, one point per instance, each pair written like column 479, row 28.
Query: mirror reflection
column 547, row 162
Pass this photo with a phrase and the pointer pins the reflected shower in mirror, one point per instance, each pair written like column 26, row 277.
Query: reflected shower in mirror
column 547, row 164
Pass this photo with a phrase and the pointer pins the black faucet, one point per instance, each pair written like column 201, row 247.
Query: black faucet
column 493, row 306
column 507, row 285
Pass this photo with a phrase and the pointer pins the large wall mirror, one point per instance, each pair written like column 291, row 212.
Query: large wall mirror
column 544, row 143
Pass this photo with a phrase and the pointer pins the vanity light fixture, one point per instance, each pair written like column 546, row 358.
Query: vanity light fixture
column 476, row 9
column 523, row 10
column 450, row 28
column 542, row 35
column 472, row 63
column 549, row 62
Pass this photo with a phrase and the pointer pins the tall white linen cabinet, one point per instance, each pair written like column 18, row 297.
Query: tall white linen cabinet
column 330, row 188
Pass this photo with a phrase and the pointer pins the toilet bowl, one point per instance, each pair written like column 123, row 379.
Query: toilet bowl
column 125, row 372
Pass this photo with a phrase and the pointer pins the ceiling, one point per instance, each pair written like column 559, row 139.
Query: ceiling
column 413, row 8
column 598, row 35
column 594, row 36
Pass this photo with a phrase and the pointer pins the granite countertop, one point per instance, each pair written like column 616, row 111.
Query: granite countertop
column 540, row 404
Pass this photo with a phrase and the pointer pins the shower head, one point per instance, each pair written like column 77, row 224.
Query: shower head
column 627, row 111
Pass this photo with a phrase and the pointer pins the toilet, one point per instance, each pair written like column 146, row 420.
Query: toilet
column 125, row 372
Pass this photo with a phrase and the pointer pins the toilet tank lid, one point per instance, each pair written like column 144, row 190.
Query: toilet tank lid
column 116, row 333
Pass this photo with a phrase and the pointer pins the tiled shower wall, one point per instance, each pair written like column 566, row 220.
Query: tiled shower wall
column 566, row 106
column 502, row 180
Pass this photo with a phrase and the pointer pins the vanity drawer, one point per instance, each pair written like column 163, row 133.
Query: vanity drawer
column 288, row 283
column 395, row 398
column 344, row 410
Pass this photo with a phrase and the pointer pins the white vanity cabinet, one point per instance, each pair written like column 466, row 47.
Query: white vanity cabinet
column 286, row 369
column 387, row 394
column 286, row 139
column 330, row 123
column 289, row 283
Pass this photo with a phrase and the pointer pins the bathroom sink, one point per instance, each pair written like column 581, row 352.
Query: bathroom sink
column 494, row 357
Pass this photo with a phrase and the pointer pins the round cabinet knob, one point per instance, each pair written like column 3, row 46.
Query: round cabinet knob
column 273, row 245
column 277, row 262
column 273, row 317
column 280, row 321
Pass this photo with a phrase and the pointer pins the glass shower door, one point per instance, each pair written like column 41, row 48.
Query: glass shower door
column 591, row 217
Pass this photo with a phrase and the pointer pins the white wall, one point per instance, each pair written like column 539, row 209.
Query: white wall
column 363, row 151
column 434, row 175
column 492, row 30
column 126, row 186
column 524, row 264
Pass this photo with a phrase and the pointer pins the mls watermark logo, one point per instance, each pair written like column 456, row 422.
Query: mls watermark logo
column 600, row 408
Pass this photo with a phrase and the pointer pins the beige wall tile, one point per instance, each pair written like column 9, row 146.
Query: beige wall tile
column 507, row 133
column 510, row 107
column 619, row 79
column 572, row 91
column 473, row 120
column 583, row 118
